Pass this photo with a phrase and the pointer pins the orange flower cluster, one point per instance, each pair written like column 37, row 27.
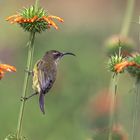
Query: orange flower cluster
column 6, row 68
column 20, row 19
column 120, row 67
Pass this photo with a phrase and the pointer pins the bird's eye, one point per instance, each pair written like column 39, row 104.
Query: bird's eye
column 56, row 55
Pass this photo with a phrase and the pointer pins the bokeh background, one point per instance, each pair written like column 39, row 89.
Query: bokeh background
column 74, row 104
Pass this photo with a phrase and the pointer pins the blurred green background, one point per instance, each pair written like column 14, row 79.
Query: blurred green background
column 88, row 23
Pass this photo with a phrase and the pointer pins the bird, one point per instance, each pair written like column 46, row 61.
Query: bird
column 44, row 74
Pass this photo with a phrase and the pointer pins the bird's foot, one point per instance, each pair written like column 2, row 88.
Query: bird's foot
column 23, row 98
column 29, row 72
column 26, row 98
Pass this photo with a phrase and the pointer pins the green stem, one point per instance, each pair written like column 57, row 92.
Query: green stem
column 113, row 92
column 128, row 17
column 139, row 35
column 136, row 107
column 26, row 80
column 36, row 5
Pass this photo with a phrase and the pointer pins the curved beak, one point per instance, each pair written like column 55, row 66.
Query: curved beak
column 68, row 53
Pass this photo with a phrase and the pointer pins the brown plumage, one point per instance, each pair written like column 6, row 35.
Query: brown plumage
column 44, row 74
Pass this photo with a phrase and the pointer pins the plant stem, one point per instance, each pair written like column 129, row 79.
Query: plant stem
column 136, row 107
column 136, row 104
column 26, row 80
column 127, row 17
column 113, row 92
column 113, row 85
column 36, row 4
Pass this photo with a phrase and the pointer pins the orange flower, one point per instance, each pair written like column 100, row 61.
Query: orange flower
column 120, row 67
column 34, row 20
column 1, row 74
column 51, row 22
column 6, row 68
column 20, row 19
column 55, row 17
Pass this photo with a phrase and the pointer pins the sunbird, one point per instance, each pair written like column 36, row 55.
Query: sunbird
column 44, row 74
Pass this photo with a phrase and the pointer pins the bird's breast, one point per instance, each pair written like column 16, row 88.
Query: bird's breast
column 36, row 86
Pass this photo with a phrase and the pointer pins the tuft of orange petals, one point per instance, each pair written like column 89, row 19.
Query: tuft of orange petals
column 33, row 19
column 20, row 19
column 6, row 68
column 1, row 74
column 120, row 67
column 56, row 17
column 12, row 17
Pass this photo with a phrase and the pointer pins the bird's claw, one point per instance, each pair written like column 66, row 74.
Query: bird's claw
column 29, row 72
column 23, row 98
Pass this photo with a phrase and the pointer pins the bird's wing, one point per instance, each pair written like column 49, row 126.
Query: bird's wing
column 41, row 102
column 43, row 76
column 44, row 81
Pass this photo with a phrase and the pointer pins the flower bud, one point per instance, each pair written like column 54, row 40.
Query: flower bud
column 115, row 42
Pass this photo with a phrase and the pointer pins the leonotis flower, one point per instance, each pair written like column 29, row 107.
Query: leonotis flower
column 34, row 20
column 131, row 64
column 121, row 66
column 113, row 61
column 6, row 68
column 134, row 70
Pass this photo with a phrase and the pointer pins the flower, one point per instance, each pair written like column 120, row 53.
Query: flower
column 33, row 20
column 113, row 61
column 134, row 70
column 6, row 68
column 131, row 64
column 121, row 66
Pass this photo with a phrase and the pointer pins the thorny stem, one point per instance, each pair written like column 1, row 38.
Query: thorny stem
column 26, row 79
column 136, row 104
column 113, row 85
column 127, row 17
column 36, row 4
column 113, row 92
column 136, row 107
column 139, row 34
column 25, row 85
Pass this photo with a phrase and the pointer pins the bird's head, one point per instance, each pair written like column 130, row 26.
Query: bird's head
column 56, row 55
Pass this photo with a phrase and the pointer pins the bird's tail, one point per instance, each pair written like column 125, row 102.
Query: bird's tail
column 41, row 102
